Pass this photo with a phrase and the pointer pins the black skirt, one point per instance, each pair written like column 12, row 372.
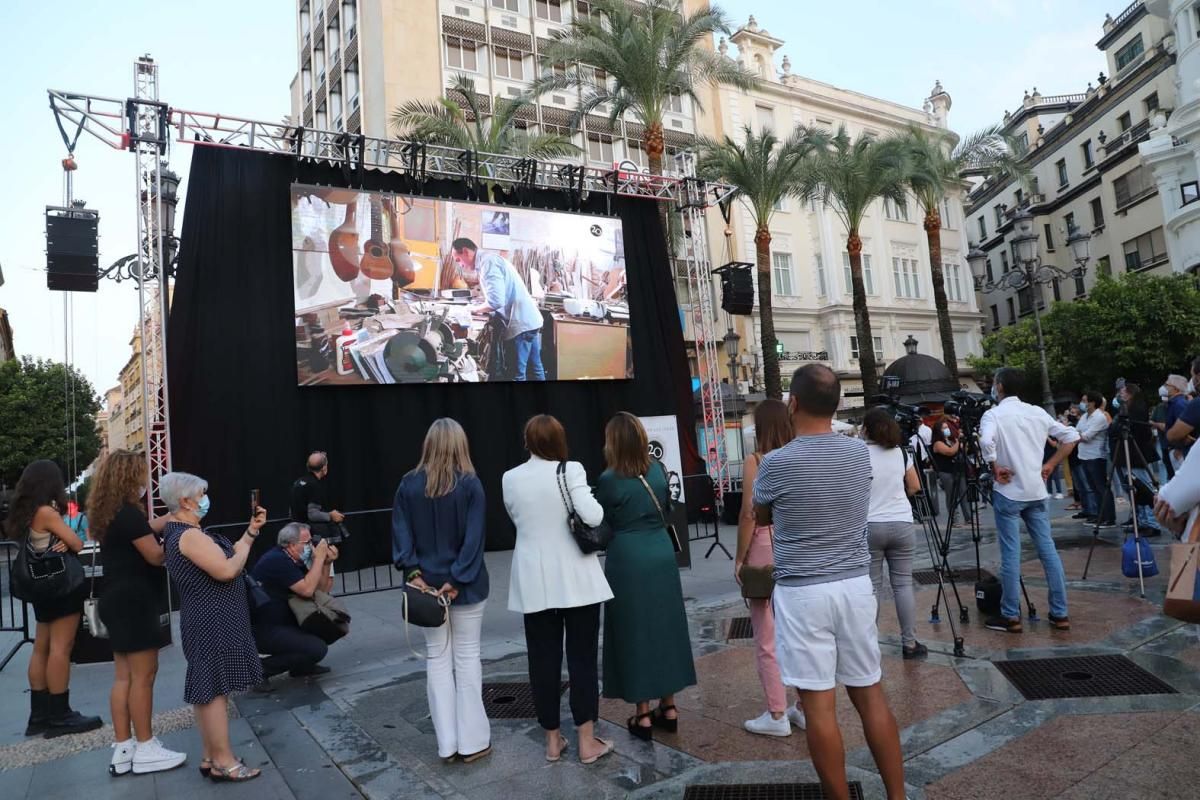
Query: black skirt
column 58, row 607
column 130, row 612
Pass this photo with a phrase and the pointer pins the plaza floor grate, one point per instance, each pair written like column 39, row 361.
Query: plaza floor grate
column 960, row 575
column 765, row 791
column 1081, row 676
column 740, row 628
column 510, row 700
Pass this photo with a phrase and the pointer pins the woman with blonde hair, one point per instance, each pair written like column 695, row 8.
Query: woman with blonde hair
column 437, row 543
column 134, row 584
column 647, row 652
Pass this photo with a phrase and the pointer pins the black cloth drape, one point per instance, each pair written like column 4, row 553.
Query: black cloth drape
column 239, row 420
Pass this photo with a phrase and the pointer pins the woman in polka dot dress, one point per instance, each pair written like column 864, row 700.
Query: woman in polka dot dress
column 214, row 617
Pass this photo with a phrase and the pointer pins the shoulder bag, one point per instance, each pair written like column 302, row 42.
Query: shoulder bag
column 591, row 539
column 322, row 615
column 758, row 583
column 91, row 606
column 44, row 576
column 676, row 543
column 1183, row 585
column 425, row 608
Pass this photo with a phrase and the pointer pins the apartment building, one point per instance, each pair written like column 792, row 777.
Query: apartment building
column 111, row 421
column 812, row 298
column 131, row 416
column 1086, row 172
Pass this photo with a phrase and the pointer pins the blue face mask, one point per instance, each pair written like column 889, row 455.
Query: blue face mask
column 1116, row 402
column 995, row 397
column 306, row 555
column 203, row 508
column 1083, row 407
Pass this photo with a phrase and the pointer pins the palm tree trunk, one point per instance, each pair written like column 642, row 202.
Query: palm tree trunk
column 933, row 234
column 653, row 144
column 862, row 319
column 766, row 314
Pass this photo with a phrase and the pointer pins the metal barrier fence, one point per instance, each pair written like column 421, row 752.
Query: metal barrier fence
column 14, row 613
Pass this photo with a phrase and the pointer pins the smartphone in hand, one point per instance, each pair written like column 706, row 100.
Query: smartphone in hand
column 255, row 501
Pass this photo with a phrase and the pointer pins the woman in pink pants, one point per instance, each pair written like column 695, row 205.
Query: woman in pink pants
column 772, row 429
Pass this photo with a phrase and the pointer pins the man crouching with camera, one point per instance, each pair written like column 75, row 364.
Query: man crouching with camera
column 1012, row 436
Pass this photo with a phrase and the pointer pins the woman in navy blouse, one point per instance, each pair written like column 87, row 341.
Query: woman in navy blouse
column 437, row 542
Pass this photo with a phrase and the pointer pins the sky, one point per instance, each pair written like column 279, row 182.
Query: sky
column 237, row 57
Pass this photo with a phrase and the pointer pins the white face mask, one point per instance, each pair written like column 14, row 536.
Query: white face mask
column 1162, row 392
column 946, row 432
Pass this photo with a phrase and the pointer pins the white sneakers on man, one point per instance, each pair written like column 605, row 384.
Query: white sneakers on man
column 151, row 756
column 122, row 760
column 766, row 725
column 796, row 717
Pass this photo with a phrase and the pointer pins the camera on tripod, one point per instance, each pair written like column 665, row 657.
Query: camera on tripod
column 969, row 407
column 909, row 418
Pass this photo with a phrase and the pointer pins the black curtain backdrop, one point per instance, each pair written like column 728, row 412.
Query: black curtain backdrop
column 239, row 420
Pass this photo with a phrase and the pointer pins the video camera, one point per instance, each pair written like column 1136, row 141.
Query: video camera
column 909, row 418
column 969, row 407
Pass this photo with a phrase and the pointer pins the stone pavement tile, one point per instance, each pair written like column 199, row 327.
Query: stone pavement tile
column 15, row 782
column 303, row 765
column 972, row 745
column 927, row 734
column 187, row 782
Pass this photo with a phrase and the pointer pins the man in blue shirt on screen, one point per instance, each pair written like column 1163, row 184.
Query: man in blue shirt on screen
column 507, row 298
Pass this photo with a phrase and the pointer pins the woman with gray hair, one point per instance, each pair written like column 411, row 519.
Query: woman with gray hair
column 214, row 617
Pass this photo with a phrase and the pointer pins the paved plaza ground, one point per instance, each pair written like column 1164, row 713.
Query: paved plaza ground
column 364, row 729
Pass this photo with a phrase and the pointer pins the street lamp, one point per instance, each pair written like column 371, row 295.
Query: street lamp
column 732, row 340
column 1032, row 274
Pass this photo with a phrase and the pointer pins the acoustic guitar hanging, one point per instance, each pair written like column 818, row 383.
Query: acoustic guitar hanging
column 406, row 270
column 343, row 246
column 376, row 261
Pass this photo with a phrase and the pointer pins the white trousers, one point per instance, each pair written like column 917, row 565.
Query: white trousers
column 454, row 683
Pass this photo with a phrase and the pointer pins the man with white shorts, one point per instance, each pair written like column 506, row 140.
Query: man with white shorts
column 816, row 491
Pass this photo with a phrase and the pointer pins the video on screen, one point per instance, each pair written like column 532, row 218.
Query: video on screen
column 393, row 288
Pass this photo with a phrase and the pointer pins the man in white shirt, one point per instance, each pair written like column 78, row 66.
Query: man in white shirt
column 1012, row 436
column 1098, row 504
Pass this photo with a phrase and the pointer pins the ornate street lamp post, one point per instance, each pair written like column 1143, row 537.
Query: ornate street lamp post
column 732, row 340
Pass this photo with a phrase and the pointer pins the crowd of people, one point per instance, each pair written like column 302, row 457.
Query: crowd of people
column 824, row 514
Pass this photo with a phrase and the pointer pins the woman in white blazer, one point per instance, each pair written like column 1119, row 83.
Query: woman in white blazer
column 556, row 586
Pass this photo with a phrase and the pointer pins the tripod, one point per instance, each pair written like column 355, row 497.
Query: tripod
column 929, row 526
column 1123, row 431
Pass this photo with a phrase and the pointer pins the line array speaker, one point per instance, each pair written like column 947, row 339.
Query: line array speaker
column 737, row 291
column 72, row 249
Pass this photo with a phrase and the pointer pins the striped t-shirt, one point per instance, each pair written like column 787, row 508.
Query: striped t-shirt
column 819, row 490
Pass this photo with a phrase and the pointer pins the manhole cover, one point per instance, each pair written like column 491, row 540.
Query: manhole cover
column 740, row 628
column 765, row 791
column 928, row 577
column 510, row 700
column 1081, row 676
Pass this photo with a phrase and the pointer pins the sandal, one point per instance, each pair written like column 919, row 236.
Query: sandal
column 237, row 773
column 467, row 759
column 205, row 767
column 643, row 732
column 660, row 719
column 609, row 747
column 562, row 748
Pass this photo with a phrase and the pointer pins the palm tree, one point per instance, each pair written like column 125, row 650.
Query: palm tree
column 647, row 54
column 848, row 176
column 459, row 120
column 936, row 165
column 765, row 170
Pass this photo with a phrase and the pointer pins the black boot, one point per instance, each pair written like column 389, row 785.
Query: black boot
column 61, row 720
column 37, row 712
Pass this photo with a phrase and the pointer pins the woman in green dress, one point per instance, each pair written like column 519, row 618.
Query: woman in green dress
column 647, row 652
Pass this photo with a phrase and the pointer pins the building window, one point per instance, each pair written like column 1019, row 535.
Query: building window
column 549, row 10
column 460, row 54
column 1049, row 237
column 1129, row 53
column 1089, row 158
column 1069, row 221
column 1125, row 121
column 1025, row 299
column 947, row 220
column 995, row 317
column 1134, row 185
column 894, row 211
column 509, row 63
column 1080, row 288
column 982, row 228
column 990, row 276
column 819, row 268
column 1151, row 103
column 868, row 274
column 675, row 103
column 781, row 269
column 507, row 5
column 766, row 118
column 877, row 340
column 1190, row 192
column 600, row 148
column 954, row 284
column 906, row 278
column 781, row 205
column 1097, row 214
column 1057, row 290
column 1003, row 262
column 1104, row 266
column 1145, row 251
column 1012, row 311
column 1060, row 167
column 999, row 212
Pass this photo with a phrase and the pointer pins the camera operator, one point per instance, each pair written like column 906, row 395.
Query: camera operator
column 1135, row 416
column 1012, row 436
column 951, row 477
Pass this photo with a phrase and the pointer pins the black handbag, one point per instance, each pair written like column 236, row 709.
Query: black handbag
column 591, row 539
column 36, row 577
column 425, row 609
column 676, row 542
column 256, row 595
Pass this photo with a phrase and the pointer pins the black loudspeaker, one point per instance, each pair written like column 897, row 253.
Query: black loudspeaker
column 72, row 249
column 737, row 291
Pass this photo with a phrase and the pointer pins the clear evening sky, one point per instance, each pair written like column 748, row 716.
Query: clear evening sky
column 238, row 56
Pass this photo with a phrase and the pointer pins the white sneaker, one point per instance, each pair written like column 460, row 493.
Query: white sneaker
column 796, row 717
column 122, row 760
column 1058, row 496
column 151, row 756
column 766, row 725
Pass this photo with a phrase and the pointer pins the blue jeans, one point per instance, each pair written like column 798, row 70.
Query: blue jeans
column 528, row 346
column 1009, row 514
column 1055, row 480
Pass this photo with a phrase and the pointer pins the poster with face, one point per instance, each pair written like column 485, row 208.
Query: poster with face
column 663, row 433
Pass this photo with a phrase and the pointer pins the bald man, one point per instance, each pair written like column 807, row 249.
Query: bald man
column 309, row 500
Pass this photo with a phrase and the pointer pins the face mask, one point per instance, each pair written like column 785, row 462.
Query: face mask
column 1116, row 402
column 203, row 508
column 306, row 555
column 946, row 432
column 1083, row 408
column 1162, row 392
column 141, row 492
column 995, row 396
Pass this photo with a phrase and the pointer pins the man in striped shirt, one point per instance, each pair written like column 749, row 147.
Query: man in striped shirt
column 816, row 491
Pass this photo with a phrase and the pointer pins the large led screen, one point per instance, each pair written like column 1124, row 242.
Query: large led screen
column 397, row 289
